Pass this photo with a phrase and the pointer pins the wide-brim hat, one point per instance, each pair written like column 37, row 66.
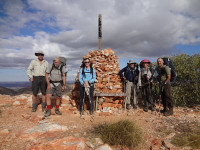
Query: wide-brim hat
column 39, row 52
column 146, row 61
column 131, row 62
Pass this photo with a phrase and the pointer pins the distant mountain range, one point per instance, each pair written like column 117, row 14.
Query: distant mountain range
column 15, row 84
column 17, row 88
column 20, row 84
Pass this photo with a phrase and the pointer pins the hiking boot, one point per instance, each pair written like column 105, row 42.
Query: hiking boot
column 34, row 107
column 57, row 111
column 163, row 111
column 47, row 113
column 81, row 113
column 128, row 106
column 43, row 106
column 91, row 112
column 152, row 108
column 145, row 109
column 134, row 106
column 169, row 113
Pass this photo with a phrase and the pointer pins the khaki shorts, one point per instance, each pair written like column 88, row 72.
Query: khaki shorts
column 57, row 90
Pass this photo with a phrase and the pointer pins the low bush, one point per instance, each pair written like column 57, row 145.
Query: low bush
column 124, row 133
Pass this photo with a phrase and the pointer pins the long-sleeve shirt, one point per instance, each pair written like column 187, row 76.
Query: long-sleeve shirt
column 129, row 73
column 142, row 72
column 37, row 68
column 90, row 77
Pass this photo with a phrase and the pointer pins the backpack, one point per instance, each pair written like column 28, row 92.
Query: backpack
column 135, row 70
column 168, row 62
column 144, row 77
column 91, row 70
column 128, row 69
column 63, row 63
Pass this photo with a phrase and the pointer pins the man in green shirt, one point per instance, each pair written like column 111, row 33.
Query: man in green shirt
column 164, row 76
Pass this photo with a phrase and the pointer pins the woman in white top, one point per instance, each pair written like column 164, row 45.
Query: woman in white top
column 144, row 83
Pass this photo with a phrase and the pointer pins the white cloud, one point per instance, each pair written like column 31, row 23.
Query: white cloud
column 147, row 28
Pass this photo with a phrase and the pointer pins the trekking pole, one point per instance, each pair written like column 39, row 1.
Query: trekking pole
column 150, row 98
column 160, row 92
column 125, row 92
column 155, row 96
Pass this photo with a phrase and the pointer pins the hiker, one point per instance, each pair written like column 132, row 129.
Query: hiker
column 129, row 74
column 164, row 76
column 87, row 77
column 56, row 79
column 36, row 73
column 145, row 84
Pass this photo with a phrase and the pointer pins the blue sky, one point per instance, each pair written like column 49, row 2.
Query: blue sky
column 133, row 29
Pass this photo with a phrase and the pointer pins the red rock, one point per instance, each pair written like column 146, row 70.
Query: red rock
column 36, row 119
column 100, row 85
column 4, row 132
column 66, row 143
column 73, row 103
column 72, row 108
column 26, row 116
column 107, row 104
column 104, row 147
column 99, row 107
column 116, row 102
column 104, row 114
column 156, row 142
column 16, row 103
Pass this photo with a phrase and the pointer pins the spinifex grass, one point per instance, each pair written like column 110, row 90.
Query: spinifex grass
column 192, row 140
column 124, row 133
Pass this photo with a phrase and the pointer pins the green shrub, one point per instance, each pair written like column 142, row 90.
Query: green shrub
column 124, row 133
column 186, row 93
column 192, row 140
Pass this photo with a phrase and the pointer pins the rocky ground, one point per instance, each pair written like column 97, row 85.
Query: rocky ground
column 21, row 129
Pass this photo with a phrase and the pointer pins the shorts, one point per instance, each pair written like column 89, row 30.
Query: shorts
column 39, row 82
column 57, row 90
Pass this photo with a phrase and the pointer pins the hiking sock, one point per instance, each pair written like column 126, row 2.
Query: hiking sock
column 48, row 107
column 57, row 106
column 34, row 107
column 44, row 105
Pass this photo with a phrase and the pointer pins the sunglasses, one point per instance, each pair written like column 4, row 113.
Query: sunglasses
column 40, row 54
column 87, row 62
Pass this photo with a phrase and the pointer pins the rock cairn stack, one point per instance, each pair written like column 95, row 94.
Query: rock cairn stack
column 108, row 80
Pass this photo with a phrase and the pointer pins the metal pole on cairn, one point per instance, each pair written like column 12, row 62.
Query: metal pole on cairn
column 100, row 30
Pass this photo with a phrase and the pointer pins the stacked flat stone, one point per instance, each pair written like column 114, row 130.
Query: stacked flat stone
column 108, row 80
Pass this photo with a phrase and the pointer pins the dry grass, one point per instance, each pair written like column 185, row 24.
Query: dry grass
column 189, row 135
column 191, row 140
column 124, row 133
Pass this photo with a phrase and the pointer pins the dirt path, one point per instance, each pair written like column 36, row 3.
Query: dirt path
column 19, row 126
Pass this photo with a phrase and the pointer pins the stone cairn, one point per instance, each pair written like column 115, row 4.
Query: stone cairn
column 108, row 80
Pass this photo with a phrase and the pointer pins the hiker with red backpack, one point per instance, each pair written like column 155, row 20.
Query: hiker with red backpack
column 87, row 77
column 164, row 77
column 129, row 75
column 36, row 73
column 56, row 79
column 145, row 84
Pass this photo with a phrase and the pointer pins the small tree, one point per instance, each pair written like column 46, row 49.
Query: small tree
column 186, row 93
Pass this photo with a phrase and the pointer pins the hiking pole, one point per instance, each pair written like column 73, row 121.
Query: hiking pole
column 160, row 92
column 125, row 92
column 155, row 96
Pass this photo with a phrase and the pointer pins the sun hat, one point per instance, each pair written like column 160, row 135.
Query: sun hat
column 39, row 52
column 131, row 62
